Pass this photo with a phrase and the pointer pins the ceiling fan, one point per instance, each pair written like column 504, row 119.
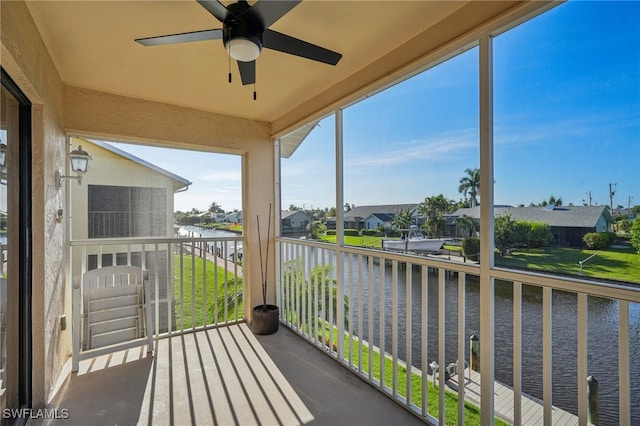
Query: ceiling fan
column 245, row 31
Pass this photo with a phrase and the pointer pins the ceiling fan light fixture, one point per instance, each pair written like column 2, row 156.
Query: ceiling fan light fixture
column 243, row 49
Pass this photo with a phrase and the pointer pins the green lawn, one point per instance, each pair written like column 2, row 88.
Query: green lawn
column 471, row 412
column 235, row 227
column 224, row 226
column 365, row 241
column 221, row 298
column 611, row 264
column 614, row 264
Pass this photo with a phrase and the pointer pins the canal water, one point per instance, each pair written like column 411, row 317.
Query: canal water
column 602, row 334
column 224, row 249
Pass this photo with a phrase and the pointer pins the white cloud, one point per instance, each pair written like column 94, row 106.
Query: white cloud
column 438, row 148
column 222, row 176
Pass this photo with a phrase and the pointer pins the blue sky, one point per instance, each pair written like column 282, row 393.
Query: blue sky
column 566, row 123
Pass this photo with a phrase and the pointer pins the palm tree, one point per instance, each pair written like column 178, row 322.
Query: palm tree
column 467, row 225
column 215, row 208
column 402, row 219
column 470, row 185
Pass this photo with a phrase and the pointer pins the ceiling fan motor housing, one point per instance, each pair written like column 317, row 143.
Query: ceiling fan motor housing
column 242, row 32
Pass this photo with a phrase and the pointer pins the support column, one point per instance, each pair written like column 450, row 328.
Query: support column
column 339, row 232
column 278, row 222
column 487, row 290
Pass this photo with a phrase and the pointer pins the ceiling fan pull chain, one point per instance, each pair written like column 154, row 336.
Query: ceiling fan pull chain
column 229, row 63
column 255, row 95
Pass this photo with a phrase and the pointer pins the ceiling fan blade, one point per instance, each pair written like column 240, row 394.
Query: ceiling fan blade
column 181, row 38
column 216, row 8
column 287, row 44
column 247, row 72
column 270, row 11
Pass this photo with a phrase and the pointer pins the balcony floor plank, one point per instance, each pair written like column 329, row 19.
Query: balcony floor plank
column 222, row 376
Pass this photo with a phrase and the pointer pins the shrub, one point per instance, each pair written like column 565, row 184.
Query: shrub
column 317, row 229
column 505, row 231
column 598, row 240
column 511, row 233
column 471, row 248
column 370, row 232
column 610, row 237
column 623, row 224
column 539, row 234
column 592, row 240
column 635, row 234
column 331, row 232
column 351, row 232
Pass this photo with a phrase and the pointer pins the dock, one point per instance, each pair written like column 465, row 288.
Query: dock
column 220, row 261
column 532, row 408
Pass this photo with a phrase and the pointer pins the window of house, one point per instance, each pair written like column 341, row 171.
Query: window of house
column 123, row 211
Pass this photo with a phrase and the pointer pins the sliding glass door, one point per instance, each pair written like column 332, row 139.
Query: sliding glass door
column 15, row 243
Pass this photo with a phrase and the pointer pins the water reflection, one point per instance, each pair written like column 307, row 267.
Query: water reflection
column 225, row 249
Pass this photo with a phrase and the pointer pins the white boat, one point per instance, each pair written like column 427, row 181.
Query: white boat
column 414, row 241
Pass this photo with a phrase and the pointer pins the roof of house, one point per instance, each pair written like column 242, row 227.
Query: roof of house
column 362, row 212
column 382, row 217
column 565, row 216
column 183, row 183
column 286, row 213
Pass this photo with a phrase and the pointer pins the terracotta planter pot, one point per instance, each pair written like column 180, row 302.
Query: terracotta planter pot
column 265, row 321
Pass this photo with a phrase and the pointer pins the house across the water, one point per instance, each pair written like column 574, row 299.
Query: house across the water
column 369, row 217
column 295, row 220
column 568, row 224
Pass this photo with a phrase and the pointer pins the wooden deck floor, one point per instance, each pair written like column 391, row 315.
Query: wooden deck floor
column 222, row 376
column 532, row 408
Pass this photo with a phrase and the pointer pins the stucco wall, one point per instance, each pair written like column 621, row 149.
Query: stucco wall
column 26, row 60
column 109, row 168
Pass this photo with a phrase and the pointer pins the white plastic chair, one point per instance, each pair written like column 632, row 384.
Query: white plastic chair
column 111, row 312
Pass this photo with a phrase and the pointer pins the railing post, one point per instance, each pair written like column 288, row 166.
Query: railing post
column 434, row 371
column 474, row 354
column 592, row 398
column 76, row 324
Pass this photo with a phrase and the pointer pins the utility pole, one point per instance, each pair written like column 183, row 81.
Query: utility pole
column 590, row 198
column 611, row 194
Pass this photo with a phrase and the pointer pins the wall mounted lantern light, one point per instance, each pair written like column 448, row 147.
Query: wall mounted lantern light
column 79, row 164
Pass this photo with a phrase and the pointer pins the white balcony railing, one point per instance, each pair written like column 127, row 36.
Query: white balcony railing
column 399, row 314
column 194, row 282
column 388, row 317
